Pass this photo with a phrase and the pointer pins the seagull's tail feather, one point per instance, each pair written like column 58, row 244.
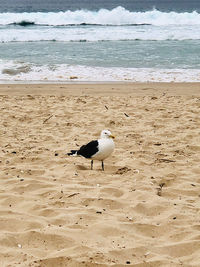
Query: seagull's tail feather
column 72, row 153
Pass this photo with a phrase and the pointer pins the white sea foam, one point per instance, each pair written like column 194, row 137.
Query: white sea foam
column 65, row 73
column 116, row 16
column 94, row 34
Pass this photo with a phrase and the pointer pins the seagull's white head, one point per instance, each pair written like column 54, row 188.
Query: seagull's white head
column 106, row 134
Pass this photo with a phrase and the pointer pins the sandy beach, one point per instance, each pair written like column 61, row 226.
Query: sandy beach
column 143, row 210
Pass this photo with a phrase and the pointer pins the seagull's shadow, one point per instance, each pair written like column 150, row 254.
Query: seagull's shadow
column 81, row 167
column 98, row 168
column 84, row 168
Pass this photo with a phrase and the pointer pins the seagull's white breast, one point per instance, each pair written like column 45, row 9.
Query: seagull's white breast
column 106, row 147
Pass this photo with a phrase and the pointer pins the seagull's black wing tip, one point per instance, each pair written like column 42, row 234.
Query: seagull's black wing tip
column 71, row 153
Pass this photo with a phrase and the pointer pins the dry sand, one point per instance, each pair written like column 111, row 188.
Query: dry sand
column 143, row 210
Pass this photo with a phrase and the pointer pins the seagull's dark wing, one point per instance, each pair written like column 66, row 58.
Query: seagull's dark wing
column 88, row 150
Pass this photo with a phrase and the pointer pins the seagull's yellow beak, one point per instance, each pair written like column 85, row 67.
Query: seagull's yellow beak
column 112, row 136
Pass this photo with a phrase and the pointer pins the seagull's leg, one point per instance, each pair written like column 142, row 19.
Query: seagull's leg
column 102, row 165
column 91, row 164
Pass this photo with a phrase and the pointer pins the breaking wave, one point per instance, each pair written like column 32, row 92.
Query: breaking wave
column 116, row 16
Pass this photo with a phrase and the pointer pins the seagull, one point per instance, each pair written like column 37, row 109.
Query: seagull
column 97, row 149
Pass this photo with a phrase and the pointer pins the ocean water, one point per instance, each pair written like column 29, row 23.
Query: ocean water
column 100, row 40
